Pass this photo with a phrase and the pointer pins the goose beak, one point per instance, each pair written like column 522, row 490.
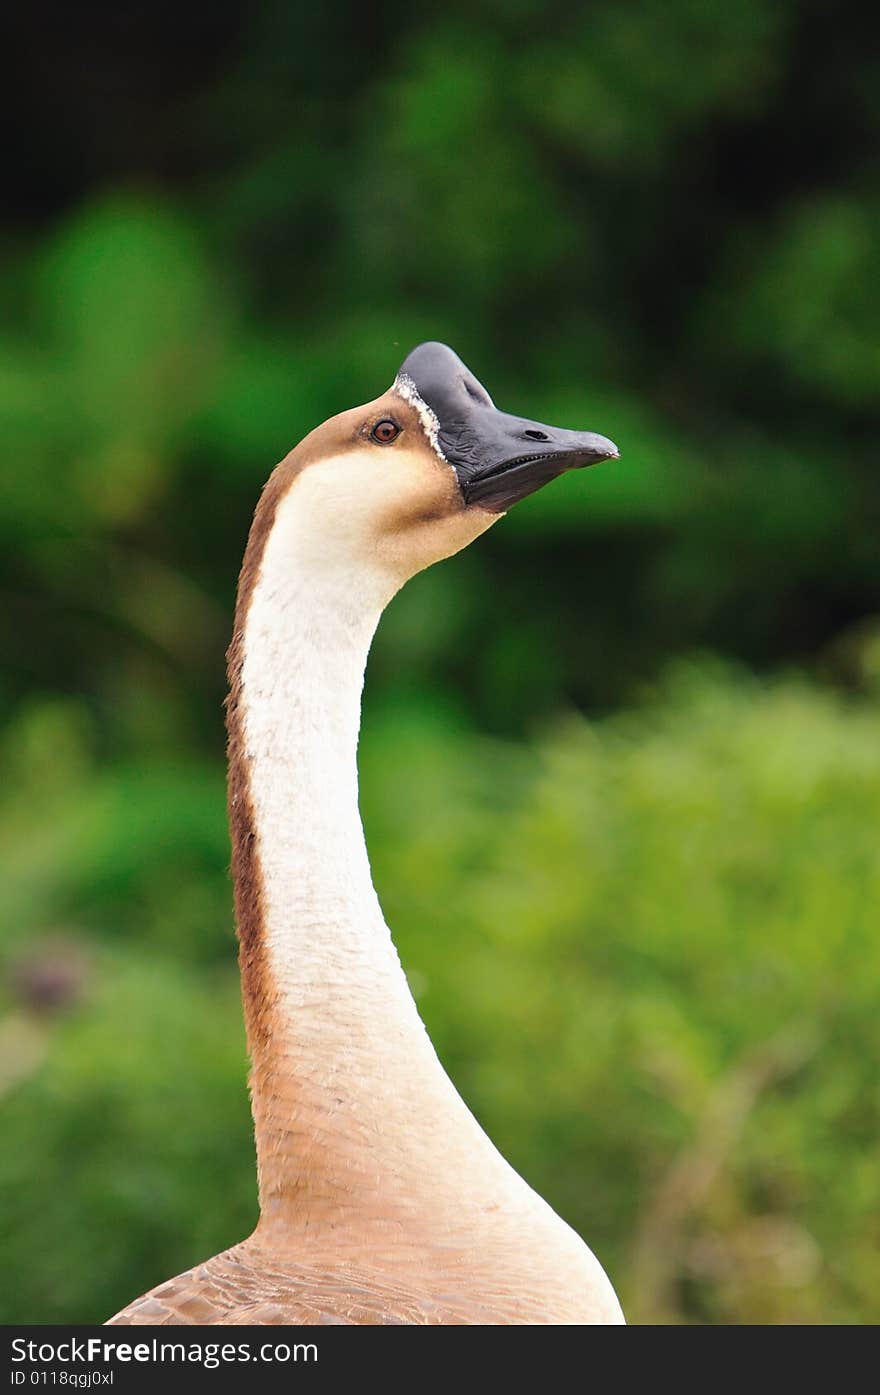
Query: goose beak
column 518, row 457
column 498, row 458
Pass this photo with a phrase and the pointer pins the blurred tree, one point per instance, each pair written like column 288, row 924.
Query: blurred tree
column 660, row 221
column 645, row 948
column 639, row 217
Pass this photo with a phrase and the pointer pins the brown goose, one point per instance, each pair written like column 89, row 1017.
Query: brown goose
column 381, row 1199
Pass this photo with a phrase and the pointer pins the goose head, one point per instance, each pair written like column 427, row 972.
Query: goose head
column 414, row 476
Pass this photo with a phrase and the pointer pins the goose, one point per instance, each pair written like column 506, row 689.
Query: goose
column 382, row 1201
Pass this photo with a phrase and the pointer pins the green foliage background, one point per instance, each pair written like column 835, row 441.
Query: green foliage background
column 621, row 763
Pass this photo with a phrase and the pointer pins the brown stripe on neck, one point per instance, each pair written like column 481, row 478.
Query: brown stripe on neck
column 340, row 433
column 246, row 870
column 259, row 990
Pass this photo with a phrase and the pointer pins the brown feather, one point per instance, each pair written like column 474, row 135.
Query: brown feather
column 425, row 1229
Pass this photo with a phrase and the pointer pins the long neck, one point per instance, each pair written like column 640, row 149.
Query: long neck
column 349, row 1099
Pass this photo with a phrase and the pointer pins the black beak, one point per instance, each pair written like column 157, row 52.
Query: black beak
column 499, row 459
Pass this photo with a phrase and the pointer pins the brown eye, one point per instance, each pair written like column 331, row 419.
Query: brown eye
column 385, row 431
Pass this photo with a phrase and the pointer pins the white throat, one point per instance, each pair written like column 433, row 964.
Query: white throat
column 348, row 1051
column 306, row 641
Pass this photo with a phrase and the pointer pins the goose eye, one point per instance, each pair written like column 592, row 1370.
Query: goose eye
column 385, row 431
